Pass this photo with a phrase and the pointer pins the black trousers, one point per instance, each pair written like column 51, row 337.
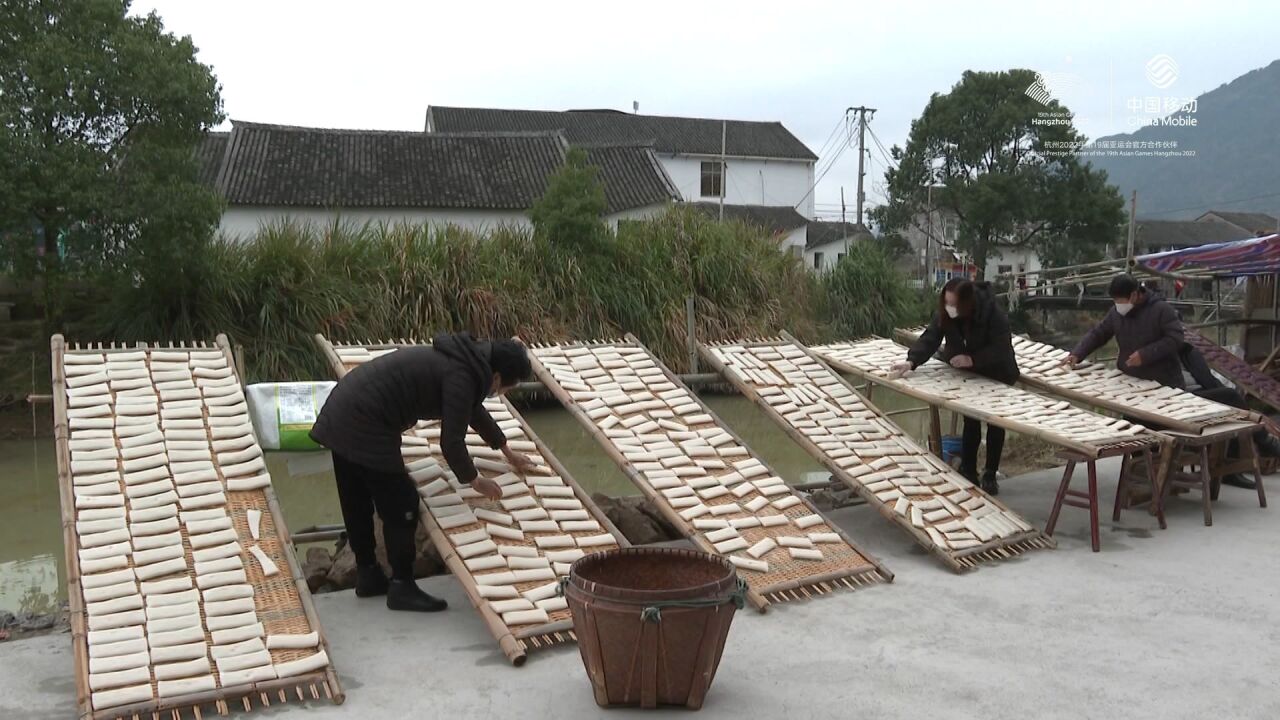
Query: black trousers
column 973, row 438
column 361, row 491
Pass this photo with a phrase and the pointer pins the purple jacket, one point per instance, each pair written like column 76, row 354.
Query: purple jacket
column 1151, row 328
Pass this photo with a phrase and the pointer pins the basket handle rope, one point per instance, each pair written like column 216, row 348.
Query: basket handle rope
column 653, row 613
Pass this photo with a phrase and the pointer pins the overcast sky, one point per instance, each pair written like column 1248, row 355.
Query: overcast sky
column 380, row 63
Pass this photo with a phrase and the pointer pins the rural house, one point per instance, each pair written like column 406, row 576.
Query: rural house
column 269, row 173
column 765, row 170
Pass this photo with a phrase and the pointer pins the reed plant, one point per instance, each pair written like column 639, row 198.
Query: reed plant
column 272, row 292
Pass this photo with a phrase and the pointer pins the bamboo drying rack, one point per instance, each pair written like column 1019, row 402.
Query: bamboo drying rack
column 1094, row 451
column 1194, row 427
column 224, row 699
column 515, row 644
column 760, row 597
column 957, row 561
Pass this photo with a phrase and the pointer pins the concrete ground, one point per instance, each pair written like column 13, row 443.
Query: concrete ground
column 1179, row 623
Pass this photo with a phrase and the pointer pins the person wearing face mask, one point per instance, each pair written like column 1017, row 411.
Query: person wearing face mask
column 977, row 338
column 1147, row 330
column 361, row 424
column 1149, row 335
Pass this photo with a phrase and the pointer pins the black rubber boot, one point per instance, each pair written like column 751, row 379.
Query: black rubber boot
column 989, row 483
column 1239, row 481
column 970, row 475
column 406, row 595
column 370, row 582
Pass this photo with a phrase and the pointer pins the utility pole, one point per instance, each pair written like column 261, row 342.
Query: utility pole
column 1133, row 213
column 724, row 171
column 862, row 151
column 843, row 230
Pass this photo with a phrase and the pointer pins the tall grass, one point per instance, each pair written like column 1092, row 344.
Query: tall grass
column 274, row 291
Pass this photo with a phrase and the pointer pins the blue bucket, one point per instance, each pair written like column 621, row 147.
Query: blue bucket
column 952, row 446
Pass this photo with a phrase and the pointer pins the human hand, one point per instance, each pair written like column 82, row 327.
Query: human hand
column 487, row 488
column 1135, row 360
column 962, row 362
column 518, row 461
column 1071, row 361
column 899, row 368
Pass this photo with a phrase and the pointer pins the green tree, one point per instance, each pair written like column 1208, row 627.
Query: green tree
column 570, row 210
column 100, row 113
column 1004, row 164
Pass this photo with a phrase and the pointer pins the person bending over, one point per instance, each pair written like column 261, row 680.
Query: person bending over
column 977, row 338
column 361, row 424
column 1149, row 335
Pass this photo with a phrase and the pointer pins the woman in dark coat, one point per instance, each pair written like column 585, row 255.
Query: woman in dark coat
column 361, row 424
column 977, row 338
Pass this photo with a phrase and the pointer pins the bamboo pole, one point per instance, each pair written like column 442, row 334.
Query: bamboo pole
column 286, row 545
column 738, row 439
column 75, row 598
column 659, row 501
column 821, row 456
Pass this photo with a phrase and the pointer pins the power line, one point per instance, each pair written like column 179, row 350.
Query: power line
column 844, row 146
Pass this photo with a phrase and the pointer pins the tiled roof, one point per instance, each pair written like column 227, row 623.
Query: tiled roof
column 677, row 135
column 632, row 176
column 1252, row 222
column 1154, row 234
column 822, row 232
column 209, row 154
column 276, row 165
column 775, row 219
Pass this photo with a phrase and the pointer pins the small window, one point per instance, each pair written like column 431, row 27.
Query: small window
column 1004, row 269
column 839, row 257
column 712, row 179
column 817, row 261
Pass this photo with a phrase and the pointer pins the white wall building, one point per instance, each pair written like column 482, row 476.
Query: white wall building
column 271, row 173
column 763, row 167
column 828, row 242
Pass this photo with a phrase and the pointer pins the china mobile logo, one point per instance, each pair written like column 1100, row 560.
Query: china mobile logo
column 1162, row 71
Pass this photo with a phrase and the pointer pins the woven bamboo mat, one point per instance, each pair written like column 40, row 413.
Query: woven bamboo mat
column 1245, row 376
column 1055, row 421
column 949, row 516
column 495, row 520
column 186, row 404
column 1102, row 386
column 699, row 474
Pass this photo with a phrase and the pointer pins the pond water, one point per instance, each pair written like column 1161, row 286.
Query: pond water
column 32, row 576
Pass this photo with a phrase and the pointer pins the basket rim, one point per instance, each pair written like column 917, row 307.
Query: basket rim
column 724, row 586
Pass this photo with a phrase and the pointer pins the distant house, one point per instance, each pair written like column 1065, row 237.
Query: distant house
column 763, row 165
column 1151, row 236
column 1252, row 224
column 829, row 241
column 785, row 223
column 932, row 237
column 268, row 173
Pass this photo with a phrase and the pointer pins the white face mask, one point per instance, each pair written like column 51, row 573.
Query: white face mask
column 1124, row 308
column 953, row 312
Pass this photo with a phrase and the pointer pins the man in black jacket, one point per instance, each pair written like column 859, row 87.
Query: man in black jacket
column 978, row 339
column 1147, row 330
column 361, row 424
column 1153, row 346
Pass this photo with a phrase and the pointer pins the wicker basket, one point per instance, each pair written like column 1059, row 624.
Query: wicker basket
column 652, row 623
